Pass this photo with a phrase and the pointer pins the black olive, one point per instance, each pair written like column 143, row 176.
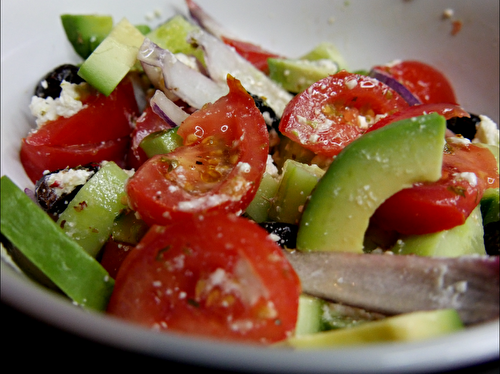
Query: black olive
column 287, row 233
column 47, row 197
column 492, row 238
column 465, row 126
column 267, row 110
column 50, row 84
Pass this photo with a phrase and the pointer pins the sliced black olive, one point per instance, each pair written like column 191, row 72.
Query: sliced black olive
column 266, row 110
column 50, row 85
column 47, row 195
column 286, row 232
column 492, row 238
column 465, row 126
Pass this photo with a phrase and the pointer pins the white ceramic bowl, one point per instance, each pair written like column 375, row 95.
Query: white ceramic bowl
column 367, row 33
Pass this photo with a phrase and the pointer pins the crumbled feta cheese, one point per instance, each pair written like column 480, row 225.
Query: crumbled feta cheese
column 459, row 140
column 271, row 168
column 66, row 180
column 467, row 176
column 66, row 105
column 486, row 132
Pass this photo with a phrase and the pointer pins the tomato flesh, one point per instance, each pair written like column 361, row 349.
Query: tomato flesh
column 427, row 83
column 219, row 167
column 432, row 207
column 336, row 110
column 219, row 276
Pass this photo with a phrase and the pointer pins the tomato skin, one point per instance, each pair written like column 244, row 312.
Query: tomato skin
column 426, row 82
column 218, row 276
column 38, row 158
column 446, row 110
column 219, row 167
column 102, row 119
column 252, row 53
column 431, row 207
column 324, row 118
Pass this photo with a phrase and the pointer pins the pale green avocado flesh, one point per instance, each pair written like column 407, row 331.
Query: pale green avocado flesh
column 364, row 175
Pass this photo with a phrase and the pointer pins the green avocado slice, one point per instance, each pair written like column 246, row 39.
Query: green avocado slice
column 363, row 175
column 46, row 245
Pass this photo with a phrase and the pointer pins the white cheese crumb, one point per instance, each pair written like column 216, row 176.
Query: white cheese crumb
column 459, row 140
column 66, row 180
column 467, row 176
column 486, row 132
column 66, row 105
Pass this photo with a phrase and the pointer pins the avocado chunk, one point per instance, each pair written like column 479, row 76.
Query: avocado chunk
column 89, row 217
column 309, row 317
column 297, row 75
column 172, row 35
column 402, row 328
column 46, row 245
column 113, row 58
column 363, row 175
column 466, row 239
column 326, row 51
column 86, row 31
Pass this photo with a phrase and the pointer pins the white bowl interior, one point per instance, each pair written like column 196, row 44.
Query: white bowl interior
column 366, row 33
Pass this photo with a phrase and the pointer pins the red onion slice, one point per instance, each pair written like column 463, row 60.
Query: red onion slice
column 222, row 60
column 392, row 284
column 190, row 85
column 395, row 85
column 204, row 20
column 167, row 109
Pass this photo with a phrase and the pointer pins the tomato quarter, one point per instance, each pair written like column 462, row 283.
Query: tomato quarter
column 336, row 110
column 218, row 276
column 219, row 167
column 467, row 171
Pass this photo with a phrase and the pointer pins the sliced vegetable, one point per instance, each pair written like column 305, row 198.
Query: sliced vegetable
column 401, row 89
column 217, row 275
column 368, row 171
column 167, row 109
column 63, row 261
column 161, row 142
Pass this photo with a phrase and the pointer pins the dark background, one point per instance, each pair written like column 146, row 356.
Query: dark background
column 32, row 344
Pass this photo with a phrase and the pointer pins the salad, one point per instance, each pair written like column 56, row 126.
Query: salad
column 179, row 155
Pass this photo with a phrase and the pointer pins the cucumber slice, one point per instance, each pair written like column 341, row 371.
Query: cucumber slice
column 258, row 209
column 43, row 242
column 89, row 217
column 161, row 142
column 309, row 319
column 363, row 175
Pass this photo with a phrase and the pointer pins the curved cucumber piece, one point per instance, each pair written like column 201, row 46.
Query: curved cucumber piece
column 43, row 242
column 89, row 217
column 364, row 174
column 466, row 239
column 403, row 328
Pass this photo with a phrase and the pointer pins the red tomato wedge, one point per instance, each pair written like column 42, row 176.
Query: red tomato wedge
column 102, row 119
column 254, row 54
column 219, row 167
column 446, row 110
column 38, row 158
column 218, row 276
column 425, row 82
column 425, row 208
column 113, row 255
column 336, row 110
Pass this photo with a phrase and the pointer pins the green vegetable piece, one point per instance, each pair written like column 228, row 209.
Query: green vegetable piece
column 326, row 51
column 113, row 59
column 297, row 75
column 161, row 142
column 89, row 217
column 144, row 29
column 363, row 175
column 128, row 229
column 338, row 316
column 309, row 319
column 490, row 206
column 86, row 31
column 297, row 183
column 402, row 328
column 172, row 35
column 46, row 245
column 466, row 239
column 258, row 209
